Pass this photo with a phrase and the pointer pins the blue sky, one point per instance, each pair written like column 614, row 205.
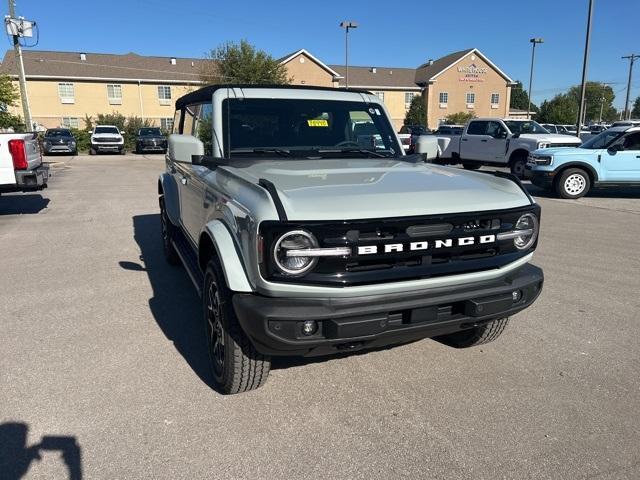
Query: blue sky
column 397, row 34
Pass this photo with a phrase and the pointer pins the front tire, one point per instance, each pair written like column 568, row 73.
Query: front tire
column 471, row 166
column 167, row 229
column 573, row 183
column 236, row 365
column 485, row 333
column 92, row 151
column 517, row 165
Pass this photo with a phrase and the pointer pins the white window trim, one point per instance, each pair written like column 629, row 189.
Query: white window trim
column 495, row 105
column 67, row 99
column 446, row 103
column 114, row 100
column 70, row 124
column 164, row 101
column 471, row 105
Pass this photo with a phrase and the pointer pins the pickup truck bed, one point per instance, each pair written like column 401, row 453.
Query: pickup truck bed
column 21, row 168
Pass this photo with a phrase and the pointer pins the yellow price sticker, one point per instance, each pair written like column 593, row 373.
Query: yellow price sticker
column 318, row 123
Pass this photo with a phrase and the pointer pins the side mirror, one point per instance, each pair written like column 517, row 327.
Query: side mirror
column 612, row 150
column 516, row 135
column 181, row 148
column 501, row 135
column 427, row 147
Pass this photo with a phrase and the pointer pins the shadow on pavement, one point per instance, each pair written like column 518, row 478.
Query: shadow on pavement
column 22, row 204
column 175, row 305
column 16, row 457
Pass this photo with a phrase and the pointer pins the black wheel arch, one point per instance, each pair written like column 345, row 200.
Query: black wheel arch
column 593, row 175
column 518, row 153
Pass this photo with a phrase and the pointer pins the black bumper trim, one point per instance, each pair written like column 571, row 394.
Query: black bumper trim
column 274, row 324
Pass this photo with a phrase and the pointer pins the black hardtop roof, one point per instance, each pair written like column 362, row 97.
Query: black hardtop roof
column 204, row 94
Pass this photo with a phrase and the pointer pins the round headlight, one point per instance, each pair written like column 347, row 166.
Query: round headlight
column 528, row 223
column 294, row 265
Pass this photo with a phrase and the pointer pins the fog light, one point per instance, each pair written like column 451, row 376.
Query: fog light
column 516, row 295
column 309, row 327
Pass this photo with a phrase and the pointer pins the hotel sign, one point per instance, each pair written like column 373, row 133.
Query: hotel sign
column 472, row 73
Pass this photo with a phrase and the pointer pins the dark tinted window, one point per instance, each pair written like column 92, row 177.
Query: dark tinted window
column 477, row 128
column 494, row 128
column 57, row 132
column 145, row 132
column 632, row 141
column 113, row 130
column 305, row 125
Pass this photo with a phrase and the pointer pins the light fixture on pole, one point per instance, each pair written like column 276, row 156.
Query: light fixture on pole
column 347, row 25
column 632, row 58
column 534, row 42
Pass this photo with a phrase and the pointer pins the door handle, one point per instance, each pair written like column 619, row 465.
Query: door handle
column 483, row 141
column 464, row 139
column 183, row 180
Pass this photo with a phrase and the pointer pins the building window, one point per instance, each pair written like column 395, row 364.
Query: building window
column 495, row 100
column 66, row 93
column 380, row 95
column 408, row 98
column 471, row 100
column 114, row 94
column 444, row 99
column 70, row 122
column 166, row 124
column 164, row 94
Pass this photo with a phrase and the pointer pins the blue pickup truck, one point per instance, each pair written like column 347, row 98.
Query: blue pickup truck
column 611, row 158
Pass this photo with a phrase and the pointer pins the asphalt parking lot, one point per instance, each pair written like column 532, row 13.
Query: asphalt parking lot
column 103, row 367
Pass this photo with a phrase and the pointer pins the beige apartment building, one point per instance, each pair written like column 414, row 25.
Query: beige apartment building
column 64, row 87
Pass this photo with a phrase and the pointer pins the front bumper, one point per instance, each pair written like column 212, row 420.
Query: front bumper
column 29, row 180
column 540, row 178
column 59, row 149
column 111, row 147
column 274, row 324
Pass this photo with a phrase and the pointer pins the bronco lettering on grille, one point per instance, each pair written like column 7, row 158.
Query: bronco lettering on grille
column 425, row 245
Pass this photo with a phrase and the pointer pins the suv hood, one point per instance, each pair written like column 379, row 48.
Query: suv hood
column 564, row 151
column 332, row 189
column 551, row 138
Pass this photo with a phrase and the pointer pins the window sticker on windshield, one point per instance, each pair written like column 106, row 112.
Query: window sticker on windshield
column 318, row 123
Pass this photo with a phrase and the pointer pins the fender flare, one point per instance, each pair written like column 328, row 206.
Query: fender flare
column 578, row 164
column 168, row 188
column 517, row 151
column 225, row 249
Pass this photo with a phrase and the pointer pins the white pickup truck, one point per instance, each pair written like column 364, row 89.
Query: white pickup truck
column 21, row 168
column 492, row 141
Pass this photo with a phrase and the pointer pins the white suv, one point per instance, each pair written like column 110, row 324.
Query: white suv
column 106, row 138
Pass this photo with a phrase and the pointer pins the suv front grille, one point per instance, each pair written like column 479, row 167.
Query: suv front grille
column 381, row 266
column 106, row 139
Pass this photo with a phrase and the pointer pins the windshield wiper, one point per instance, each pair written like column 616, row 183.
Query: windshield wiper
column 278, row 151
column 363, row 151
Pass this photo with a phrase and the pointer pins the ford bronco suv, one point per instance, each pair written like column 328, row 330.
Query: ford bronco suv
column 307, row 234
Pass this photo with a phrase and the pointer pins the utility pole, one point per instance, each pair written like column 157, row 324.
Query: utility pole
column 347, row 25
column 583, row 86
column 632, row 58
column 26, row 109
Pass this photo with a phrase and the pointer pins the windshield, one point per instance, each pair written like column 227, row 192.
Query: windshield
column 602, row 140
column 57, row 133
column 525, row 127
column 302, row 128
column 148, row 132
column 113, row 130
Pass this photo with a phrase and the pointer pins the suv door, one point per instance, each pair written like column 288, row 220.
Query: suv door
column 621, row 162
column 496, row 144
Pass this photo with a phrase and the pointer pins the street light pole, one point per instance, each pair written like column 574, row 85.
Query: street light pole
column 347, row 25
column 632, row 58
column 583, row 86
column 26, row 108
column 533, row 41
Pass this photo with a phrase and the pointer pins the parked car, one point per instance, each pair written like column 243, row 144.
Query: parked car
column 151, row 139
column 626, row 123
column 607, row 159
column 106, row 138
column 409, row 134
column 21, row 168
column 560, row 129
column 59, row 140
column 302, row 242
column 491, row 141
column 595, row 129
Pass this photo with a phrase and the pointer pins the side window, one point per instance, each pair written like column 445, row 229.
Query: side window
column 494, row 129
column 632, row 141
column 176, row 122
column 477, row 128
column 204, row 127
column 189, row 119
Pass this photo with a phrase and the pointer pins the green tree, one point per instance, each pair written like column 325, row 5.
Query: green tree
column 459, row 118
column 114, row 118
column 416, row 115
column 635, row 111
column 241, row 62
column 520, row 98
column 561, row 109
column 9, row 96
column 598, row 96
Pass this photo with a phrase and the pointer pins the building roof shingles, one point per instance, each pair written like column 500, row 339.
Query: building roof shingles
column 428, row 70
column 129, row 66
column 383, row 77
